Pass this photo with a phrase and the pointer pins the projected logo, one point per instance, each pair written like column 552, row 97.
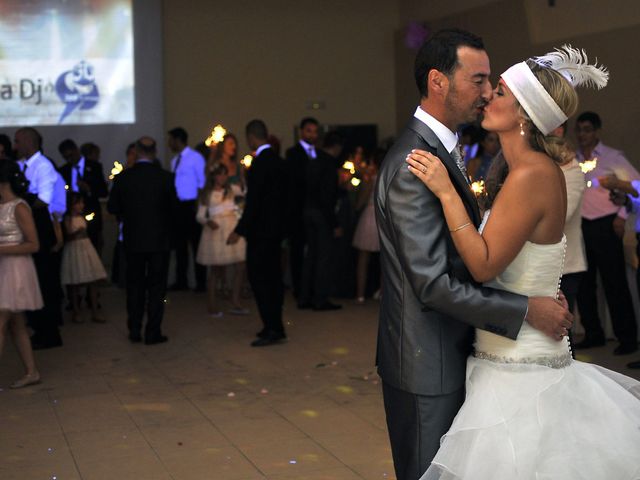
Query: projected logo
column 77, row 89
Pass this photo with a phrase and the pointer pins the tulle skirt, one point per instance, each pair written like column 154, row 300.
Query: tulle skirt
column 213, row 248
column 19, row 288
column 81, row 263
column 531, row 422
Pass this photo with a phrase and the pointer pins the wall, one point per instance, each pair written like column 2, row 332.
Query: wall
column 513, row 30
column 231, row 62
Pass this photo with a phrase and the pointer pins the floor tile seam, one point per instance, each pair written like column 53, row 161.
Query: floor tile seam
column 141, row 432
column 66, row 438
column 226, row 437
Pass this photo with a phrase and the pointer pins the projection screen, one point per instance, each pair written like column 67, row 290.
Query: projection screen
column 66, row 62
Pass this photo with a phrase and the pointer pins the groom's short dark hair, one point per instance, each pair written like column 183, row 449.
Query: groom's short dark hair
column 440, row 52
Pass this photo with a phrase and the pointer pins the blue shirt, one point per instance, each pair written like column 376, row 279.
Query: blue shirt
column 189, row 173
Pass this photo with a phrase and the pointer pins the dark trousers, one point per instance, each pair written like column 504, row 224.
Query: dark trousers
column 264, row 269
column 297, row 242
column 416, row 423
column 570, row 285
column 316, row 271
column 187, row 233
column 605, row 255
column 45, row 321
column 146, row 285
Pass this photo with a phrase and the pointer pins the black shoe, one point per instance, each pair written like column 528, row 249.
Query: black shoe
column 305, row 306
column 625, row 348
column 589, row 343
column 264, row 333
column 327, row 306
column 635, row 364
column 135, row 338
column 269, row 339
column 179, row 287
column 156, row 340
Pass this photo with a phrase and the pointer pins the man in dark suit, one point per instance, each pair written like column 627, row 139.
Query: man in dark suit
column 87, row 177
column 321, row 227
column 42, row 178
column 143, row 197
column 297, row 159
column 262, row 225
column 430, row 305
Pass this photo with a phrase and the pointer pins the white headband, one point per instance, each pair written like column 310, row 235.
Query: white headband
column 536, row 101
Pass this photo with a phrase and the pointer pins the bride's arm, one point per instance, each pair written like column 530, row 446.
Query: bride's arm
column 512, row 221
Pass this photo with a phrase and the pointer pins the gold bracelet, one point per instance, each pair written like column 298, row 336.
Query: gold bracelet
column 460, row 227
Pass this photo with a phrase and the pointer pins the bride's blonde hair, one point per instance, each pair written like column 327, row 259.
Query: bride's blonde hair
column 557, row 148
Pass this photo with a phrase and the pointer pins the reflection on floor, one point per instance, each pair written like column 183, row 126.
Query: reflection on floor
column 205, row 405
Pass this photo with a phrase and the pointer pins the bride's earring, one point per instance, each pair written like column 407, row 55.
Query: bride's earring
column 521, row 129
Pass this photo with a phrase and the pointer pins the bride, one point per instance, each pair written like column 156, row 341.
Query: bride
column 530, row 411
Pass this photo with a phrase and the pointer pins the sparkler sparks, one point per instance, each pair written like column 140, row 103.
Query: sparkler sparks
column 90, row 216
column 117, row 168
column 246, row 161
column 478, row 187
column 216, row 135
column 588, row 165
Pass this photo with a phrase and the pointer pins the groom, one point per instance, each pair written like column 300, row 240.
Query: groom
column 430, row 304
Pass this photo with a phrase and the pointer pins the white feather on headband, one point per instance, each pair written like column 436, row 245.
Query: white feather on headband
column 574, row 65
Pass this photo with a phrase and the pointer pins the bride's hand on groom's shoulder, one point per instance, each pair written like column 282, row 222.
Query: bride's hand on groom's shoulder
column 431, row 171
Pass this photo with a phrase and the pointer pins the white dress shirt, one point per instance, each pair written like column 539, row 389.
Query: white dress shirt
column 189, row 174
column 42, row 176
column 261, row 148
column 310, row 149
column 448, row 138
column 77, row 170
column 596, row 203
column 575, row 259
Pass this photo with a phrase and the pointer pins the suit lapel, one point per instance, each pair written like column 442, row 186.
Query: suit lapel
column 455, row 174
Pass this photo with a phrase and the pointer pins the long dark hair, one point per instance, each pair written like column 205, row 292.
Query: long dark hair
column 10, row 173
column 216, row 169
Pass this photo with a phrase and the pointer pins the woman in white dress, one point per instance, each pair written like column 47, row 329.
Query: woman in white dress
column 19, row 288
column 530, row 411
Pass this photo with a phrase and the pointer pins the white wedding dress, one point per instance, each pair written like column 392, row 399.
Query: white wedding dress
column 533, row 413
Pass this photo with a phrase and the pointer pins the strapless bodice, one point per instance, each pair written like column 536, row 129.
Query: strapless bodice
column 535, row 272
column 10, row 233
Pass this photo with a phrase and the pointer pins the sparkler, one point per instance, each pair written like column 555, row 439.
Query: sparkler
column 90, row 216
column 355, row 181
column 117, row 168
column 349, row 165
column 588, row 165
column 478, row 187
column 216, row 135
column 246, row 161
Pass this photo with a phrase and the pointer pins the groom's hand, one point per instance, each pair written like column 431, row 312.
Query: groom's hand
column 550, row 316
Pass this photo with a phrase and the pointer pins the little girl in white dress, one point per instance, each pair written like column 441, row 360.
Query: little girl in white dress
column 80, row 262
column 218, row 213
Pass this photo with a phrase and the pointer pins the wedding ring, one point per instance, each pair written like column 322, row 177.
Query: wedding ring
column 424, row 169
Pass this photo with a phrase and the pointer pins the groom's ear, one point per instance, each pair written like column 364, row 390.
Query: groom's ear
column 437, row 82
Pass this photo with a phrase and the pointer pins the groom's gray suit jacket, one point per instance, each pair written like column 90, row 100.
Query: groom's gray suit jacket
column 430, row 304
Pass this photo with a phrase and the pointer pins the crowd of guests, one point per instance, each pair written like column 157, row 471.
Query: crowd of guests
column 244, row 230
column 299, row 220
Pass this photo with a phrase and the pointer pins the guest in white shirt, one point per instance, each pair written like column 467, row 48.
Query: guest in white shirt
column 188, row 166
column 603, row 228
column 575, row 261
column 43, row 177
